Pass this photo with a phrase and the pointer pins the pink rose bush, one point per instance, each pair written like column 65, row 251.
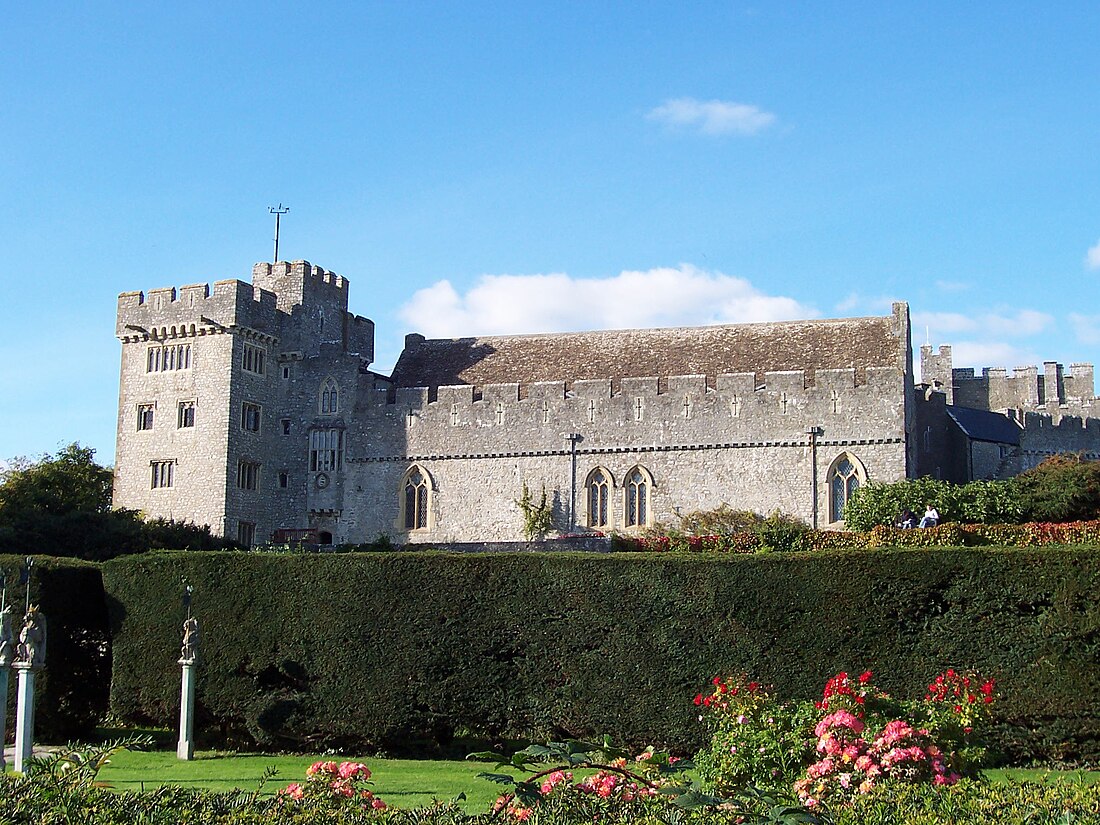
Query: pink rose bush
column 614, row 783
column 851, row 764
column 334, row 783
column 855, row 738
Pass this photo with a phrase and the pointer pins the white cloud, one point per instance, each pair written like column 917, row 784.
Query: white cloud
column 944, row 322
column 848, row 304
column 952, row 286
column 1092, row 257
column 712, row 117
column 990, row 337
column 1086, row 328
column 979, row 354
column 516, row 304
column 1022, row 323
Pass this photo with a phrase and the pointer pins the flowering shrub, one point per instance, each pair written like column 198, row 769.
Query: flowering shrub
column 617, row 784
column 851, row 765
column 756, row 741
column 613, row 784
column 334, row 784
column 845, row 744
column 842, row 692
column 954, row 710
column 950, row 534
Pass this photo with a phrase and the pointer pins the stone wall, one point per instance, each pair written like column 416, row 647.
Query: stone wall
column 742, row 444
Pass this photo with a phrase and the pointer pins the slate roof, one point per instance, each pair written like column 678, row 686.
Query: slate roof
column 848, row 343
column 983, row 425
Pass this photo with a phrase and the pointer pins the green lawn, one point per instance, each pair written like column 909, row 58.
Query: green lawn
column 404, row 783
column 1045, row 775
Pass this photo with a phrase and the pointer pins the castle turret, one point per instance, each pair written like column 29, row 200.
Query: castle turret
column 935, row 370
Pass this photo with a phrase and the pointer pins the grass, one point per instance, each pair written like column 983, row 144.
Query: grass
column 404, row 783
column 1004, row 776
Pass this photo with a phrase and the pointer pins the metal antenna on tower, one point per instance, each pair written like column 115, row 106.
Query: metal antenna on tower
column 278, row 212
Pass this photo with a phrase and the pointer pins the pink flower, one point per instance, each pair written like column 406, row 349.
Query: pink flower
column 894, row 731
column 553, row 780
column 351, row 770
column 293, row 790
column 342, row 787
column 840, row 719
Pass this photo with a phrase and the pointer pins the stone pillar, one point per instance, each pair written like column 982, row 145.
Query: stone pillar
column 5, row 671
column 24, row 715
column 185, row 748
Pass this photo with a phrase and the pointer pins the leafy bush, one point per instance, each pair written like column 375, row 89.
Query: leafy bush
column 1062, row 488
column 61, row 506
column 756, row 740
column 878, row 504
column 974, row 803
column 726, row 530
column 721, row 521
column 61, row 790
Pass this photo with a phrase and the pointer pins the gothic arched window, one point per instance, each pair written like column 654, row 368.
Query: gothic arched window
column 414, row 494
column 599, row 487
column 330, row 397
column 637, row 486
column 845, row 476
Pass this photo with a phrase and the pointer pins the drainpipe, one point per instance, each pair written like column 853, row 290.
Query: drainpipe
column 573, row 439
column 813, row 433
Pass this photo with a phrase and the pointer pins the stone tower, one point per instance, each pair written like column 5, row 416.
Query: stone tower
column 216, row 395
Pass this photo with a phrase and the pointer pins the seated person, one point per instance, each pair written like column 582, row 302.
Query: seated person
column 931, row 516
column 906, row 519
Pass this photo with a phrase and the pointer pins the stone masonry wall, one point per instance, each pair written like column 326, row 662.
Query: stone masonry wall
column 199, row 484
column 742, row 444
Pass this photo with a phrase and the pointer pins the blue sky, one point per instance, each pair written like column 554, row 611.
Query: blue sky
column 520, row 167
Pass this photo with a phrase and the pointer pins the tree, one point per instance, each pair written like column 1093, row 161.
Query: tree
column 61, row 506
column 1065, row 487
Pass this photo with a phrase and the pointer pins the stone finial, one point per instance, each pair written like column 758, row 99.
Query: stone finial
column 32, row 639
column 189, row 651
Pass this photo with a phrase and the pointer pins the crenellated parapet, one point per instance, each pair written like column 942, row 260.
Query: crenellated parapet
column 670, row 409
column 999, row 389
column 300, row 283
column 196, row 309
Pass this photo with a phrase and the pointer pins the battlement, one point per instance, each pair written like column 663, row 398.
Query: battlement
column 194, row 309
column 300, row 283
column 298, row 269
column 998, row 388
column 827, row 386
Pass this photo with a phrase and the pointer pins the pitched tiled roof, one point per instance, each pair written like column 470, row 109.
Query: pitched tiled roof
column 790, row 345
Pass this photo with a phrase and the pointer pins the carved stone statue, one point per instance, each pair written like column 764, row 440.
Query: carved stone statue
column 7, row 646
column 32, row 639
column 190, row 650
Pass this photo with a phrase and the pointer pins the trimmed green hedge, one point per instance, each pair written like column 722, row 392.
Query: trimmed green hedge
column 407, row 651
column 72, row 691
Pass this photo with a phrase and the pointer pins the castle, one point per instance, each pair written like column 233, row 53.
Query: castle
column 253, row 408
